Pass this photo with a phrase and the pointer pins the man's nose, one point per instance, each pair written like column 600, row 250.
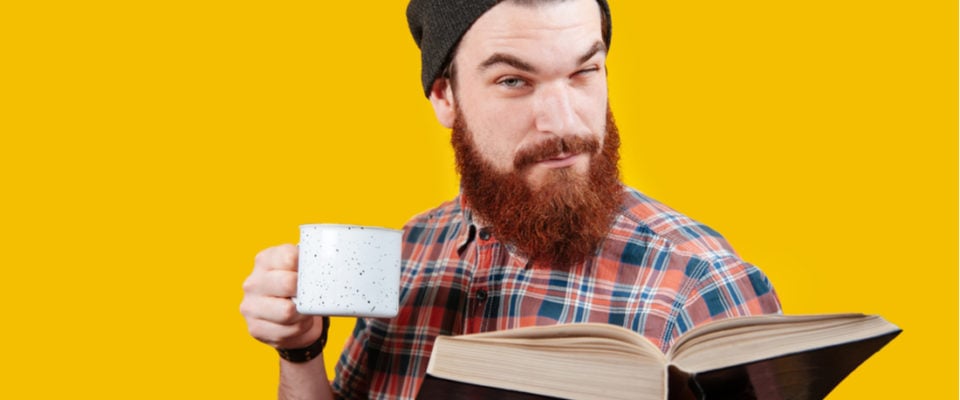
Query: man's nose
column 555, row 112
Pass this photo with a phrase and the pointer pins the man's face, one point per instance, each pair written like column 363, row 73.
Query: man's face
column 535, row 150
column 527, row 75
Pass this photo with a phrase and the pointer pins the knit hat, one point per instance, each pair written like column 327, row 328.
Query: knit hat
column 438, row 25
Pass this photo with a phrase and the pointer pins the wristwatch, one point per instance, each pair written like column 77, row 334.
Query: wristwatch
column 310, row 352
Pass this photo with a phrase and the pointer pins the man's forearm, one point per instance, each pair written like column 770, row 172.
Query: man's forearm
column 304, row 381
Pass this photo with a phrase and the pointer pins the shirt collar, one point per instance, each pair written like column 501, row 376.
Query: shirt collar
column 468, row 230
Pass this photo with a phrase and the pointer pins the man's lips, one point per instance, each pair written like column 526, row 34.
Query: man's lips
column 561, row 160
column 557, row 152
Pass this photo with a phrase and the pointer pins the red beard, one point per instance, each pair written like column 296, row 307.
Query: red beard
column 560, row 223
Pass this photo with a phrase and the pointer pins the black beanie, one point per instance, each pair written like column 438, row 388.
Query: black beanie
column 438, row 25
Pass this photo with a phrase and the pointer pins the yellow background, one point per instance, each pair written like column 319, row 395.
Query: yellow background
column 150, row 148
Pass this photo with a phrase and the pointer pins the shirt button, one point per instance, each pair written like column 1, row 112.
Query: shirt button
column 481, row 295
column 484, row 234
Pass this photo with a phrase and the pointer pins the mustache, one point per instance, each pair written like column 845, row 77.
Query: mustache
column 553, row 148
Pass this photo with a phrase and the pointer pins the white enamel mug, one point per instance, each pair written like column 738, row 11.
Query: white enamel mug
column 348, row 270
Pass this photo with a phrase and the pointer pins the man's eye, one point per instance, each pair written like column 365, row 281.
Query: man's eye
column 511, row 82
column 586, row 71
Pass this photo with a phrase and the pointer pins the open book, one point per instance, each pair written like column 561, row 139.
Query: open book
column 757, row 357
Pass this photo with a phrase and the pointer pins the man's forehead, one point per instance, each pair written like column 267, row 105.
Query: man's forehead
column 530, row 37
column 571, row 23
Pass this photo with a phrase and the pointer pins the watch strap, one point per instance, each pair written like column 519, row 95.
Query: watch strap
column 310, row 352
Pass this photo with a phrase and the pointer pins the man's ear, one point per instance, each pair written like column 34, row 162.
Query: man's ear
column 444, row 104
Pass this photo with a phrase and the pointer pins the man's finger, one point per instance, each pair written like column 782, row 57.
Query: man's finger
column 283, row 257
column 279, row 283
column 278, row 335
column 275, row 283
column 276, row 310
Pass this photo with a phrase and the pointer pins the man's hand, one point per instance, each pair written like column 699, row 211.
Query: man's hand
column 271, row 316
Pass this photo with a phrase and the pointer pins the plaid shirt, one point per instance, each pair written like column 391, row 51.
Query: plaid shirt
column 658, row 273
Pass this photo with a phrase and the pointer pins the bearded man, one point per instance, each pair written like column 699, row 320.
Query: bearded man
column 543, row 231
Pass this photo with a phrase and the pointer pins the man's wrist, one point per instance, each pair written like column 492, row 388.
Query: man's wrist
column 310, row 352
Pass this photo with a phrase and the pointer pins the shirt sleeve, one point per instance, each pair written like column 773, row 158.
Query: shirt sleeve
column 725, row 288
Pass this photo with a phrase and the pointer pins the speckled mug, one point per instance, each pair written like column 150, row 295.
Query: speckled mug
column 348, row 270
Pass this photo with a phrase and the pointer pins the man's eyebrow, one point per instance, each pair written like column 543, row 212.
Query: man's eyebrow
column 516, row 62
column 500, row 58
column 598, row 47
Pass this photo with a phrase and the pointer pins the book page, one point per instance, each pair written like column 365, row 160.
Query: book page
column 741, row 340
column 584, row 330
